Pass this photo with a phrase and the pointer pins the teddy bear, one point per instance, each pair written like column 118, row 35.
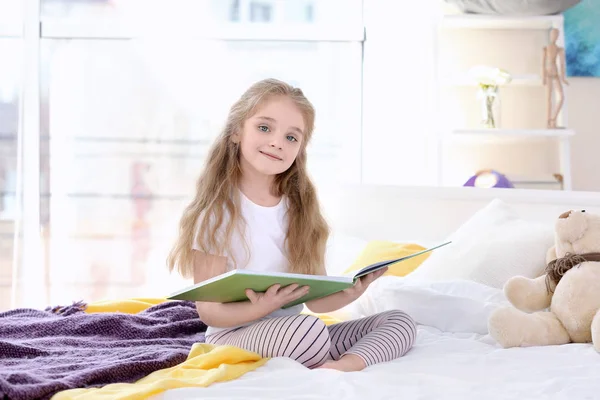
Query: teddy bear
column 563, row 304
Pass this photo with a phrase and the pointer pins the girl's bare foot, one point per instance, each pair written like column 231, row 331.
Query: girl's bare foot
column 347, row 363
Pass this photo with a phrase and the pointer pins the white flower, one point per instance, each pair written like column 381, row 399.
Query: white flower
column 485, row 75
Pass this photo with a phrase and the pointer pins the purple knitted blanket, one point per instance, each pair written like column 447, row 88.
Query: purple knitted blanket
column 44, row 352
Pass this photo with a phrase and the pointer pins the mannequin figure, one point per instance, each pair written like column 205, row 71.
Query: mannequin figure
column 553, row 56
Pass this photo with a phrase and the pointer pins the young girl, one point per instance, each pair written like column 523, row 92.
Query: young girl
column 256, row 208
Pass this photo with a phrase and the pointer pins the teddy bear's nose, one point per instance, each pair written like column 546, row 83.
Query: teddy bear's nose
column 565, row 214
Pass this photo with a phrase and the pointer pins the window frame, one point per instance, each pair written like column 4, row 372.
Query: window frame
column 53, row 29
column 30, row 286
column 329, row 29
column 32, row 290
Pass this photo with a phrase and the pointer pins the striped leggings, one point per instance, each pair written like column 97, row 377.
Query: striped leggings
column 378, row 338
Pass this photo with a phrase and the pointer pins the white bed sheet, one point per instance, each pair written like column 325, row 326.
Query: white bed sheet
column 453, row 357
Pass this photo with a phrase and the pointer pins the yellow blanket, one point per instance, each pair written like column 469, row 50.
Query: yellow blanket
column 205, row 364
column 129, row 306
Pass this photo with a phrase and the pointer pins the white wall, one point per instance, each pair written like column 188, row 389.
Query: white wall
column 398, row 94
column 584, row 118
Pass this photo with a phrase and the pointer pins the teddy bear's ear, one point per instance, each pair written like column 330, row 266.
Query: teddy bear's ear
column 565, row 214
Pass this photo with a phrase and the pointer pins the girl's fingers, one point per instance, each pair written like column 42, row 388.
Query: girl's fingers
column 382, row 271
column 374, row 275
column 298, row 293
column 289, row 289
column 359, row 284
column 304, row 290
column 368, row 279
column 272, row 291
column 252, row 296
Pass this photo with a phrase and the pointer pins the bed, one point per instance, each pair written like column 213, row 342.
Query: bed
column 454, row 357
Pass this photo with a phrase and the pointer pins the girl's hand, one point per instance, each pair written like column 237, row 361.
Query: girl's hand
column 276, row 297
column 363, row 283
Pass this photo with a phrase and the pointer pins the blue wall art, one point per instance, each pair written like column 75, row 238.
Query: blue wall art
column 582, row 39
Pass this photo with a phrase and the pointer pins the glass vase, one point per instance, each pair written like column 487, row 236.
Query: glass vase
column 489, row 100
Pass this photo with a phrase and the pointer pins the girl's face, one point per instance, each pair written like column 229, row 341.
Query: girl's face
column 272, row 137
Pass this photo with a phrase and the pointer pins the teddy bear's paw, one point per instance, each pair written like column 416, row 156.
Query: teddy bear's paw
column 503, row 326
column 517, row 290
column 527, row 294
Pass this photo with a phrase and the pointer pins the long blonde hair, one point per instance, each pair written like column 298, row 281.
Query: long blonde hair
column 307, row 232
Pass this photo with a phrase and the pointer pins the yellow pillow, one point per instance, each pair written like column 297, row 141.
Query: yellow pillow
column 326, row 318
column 377, row 251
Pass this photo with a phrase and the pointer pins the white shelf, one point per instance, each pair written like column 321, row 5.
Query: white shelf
column 449, row 79
column 479, row 21
column 517, row 80
column 507, row 135
column 516, row 132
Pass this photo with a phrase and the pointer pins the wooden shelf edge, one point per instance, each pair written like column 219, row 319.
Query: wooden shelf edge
column 520, row 80
column 483, row 21
column 524, row 133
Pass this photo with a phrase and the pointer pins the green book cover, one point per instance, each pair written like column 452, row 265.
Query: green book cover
column 231, row 286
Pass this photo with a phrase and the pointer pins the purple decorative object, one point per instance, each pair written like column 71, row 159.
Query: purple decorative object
column 489, row 179
column 45, row 352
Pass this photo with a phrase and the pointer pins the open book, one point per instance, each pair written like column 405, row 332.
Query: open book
column 231, row 286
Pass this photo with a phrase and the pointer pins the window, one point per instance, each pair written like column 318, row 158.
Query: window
column 11, row 18
column 261, row 12
column 10, row 210
column 11, row 46
column 132, row 93
column 265, row 11
column 321, row 20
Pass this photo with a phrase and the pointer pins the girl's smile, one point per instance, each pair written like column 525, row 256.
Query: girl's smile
column 271, row 156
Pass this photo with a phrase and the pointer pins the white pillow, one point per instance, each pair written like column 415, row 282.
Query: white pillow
column 491, row 247
column 450, row 306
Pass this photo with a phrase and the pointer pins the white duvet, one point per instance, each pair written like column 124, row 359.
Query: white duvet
column 453, row 357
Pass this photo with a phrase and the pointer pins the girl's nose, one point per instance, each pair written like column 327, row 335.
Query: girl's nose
column 276, row 142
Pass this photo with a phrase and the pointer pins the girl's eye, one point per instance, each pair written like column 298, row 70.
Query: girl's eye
column 263, row 128
column 291, row 138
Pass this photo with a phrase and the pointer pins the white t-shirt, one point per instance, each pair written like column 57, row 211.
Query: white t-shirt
column 265, row 231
